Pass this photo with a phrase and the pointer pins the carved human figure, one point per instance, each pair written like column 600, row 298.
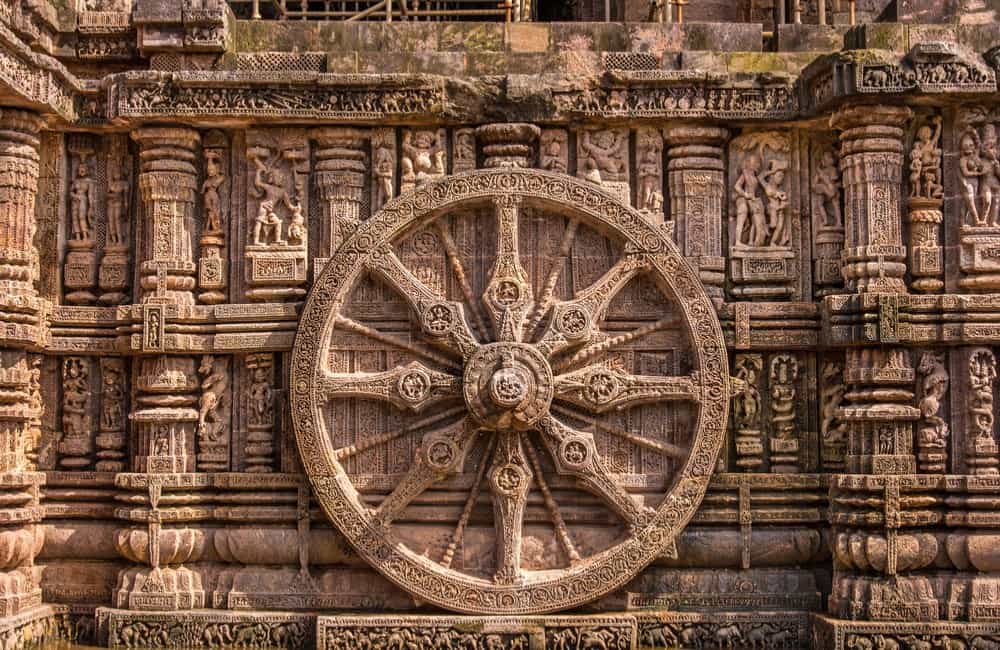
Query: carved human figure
column 989, row 184
column 649, row 179
column 269, row 187
column 553, row 155
column 605, row 155
column 982, row 373
column 773, row 181
column 214, row 381
column 423, row 157
column 749, row 204
column 214, row 178
column 117, row 203
column 112, row 398
column 925, row 162
column 383, row 168
column 261, row 397
column 82, row 201
column 746, row 403
column 833, row 390
column 465, row 147
column 826, row 191
column 933, row 385
column 971, row 169
column 296, row 225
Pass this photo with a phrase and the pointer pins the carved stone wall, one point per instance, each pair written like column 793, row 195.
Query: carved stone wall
column 523, row 336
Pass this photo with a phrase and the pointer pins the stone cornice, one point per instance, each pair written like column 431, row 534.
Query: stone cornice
column 36, row 80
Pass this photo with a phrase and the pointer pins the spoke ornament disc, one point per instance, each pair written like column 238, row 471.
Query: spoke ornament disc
column 506, row 392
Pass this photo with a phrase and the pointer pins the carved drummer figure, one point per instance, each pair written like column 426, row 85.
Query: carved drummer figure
column 269, row 186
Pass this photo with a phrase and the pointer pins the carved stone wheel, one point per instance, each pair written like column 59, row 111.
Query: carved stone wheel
column 509, row 392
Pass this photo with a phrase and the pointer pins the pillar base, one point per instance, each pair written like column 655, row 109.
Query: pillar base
column 162, row 589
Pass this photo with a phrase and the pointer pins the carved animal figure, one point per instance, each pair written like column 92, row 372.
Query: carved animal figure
column 760, row 635
column 657, row 636
column 728, row 636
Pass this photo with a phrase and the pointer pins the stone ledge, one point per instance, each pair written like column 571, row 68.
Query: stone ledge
column 835, row 634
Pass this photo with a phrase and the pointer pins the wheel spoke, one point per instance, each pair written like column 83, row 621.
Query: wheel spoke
column 413, row 386
column 510, row 480
column 508, row 296
column 441, row 454
column 371, row 442
column 470, row 503
column 451, row 252
column 574, row 453
column 665, row 448
column 345, row 323
column 443, row 320
column 550, row 504
column 601, row 389
column 548, row 291
column 575, row 321
column 594, row 349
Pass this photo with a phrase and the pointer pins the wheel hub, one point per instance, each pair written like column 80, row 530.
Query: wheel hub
column 508, row 385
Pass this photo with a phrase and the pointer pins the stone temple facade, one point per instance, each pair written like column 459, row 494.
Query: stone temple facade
column 456, row 325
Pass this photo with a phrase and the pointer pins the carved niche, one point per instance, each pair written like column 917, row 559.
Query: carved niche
column 762, row 259
column 978, row 183
column 277, row 206
column 476, row 393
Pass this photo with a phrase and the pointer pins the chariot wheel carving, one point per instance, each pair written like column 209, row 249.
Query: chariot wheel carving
column 509, row 392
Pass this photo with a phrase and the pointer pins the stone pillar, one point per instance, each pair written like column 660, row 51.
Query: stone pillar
column 20, row 538
column 871, row 164
column 695, row 177
column 340, row 181
column 168, row 180
column 165, row 413
column 879, row 414
column 18, row 188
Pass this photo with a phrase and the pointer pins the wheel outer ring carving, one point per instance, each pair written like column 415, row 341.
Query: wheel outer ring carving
column 602, row 573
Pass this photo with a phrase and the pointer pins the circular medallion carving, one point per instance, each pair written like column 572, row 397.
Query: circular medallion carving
column 504, row 385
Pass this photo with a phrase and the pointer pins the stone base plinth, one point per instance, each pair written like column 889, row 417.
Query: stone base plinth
column 835, row 634
column 206, row 628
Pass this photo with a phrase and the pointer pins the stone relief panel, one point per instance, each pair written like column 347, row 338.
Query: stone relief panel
column 763, row 259
column 277, row 204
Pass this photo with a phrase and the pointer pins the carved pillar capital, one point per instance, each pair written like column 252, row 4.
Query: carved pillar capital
column 695, row 174
column 508, row 144
column 871, row 162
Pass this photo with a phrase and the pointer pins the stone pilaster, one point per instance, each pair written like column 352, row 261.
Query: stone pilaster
column 19, row 166
column 340, row 181
column 19, row 327
column 879, row 414
column 871, row 164
column 168, row 180
column 695, row 173
column 165, row 415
